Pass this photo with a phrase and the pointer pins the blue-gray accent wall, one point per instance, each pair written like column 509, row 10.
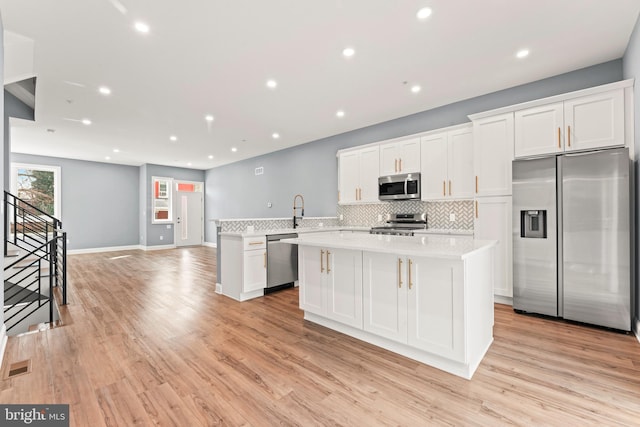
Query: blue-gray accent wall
column 234, row 191
column 151, row 232
column 13, row 107
column 631, row 69
column 99, row 201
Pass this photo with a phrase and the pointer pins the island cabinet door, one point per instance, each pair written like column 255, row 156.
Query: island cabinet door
column 436, row 306
column 311, row 275
column 385, row 295
column 344, row 286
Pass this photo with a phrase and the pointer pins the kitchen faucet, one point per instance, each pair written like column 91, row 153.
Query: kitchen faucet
column 295, row 207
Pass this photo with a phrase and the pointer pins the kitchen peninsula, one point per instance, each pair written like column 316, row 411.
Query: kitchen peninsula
column 429, row 298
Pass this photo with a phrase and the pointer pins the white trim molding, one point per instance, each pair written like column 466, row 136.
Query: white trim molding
column 3, row 342
column 503, row 300
column 157, row 247
column 210, row 244
column 107, row 249
column 637, row 331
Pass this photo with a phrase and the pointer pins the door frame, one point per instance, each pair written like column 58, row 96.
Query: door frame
column 197, row 184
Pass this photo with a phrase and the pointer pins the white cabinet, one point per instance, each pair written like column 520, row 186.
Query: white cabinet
column 416, row 301
column 588, row 122
column 255, row 270
column 244, row 266
column 447, row 165
column 493, row 221
column 400, row 156
column 493, row 153
column 358, row 172
column 331, row 283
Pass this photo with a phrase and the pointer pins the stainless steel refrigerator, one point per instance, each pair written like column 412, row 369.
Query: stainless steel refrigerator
column 571, row 237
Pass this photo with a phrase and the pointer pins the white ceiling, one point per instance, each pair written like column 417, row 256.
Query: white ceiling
column 214, row 57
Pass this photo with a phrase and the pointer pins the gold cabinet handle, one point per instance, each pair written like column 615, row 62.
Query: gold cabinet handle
column 399, row 273
column 359, row 193
column 395, row 167
column 476, row 209
column 265, row 260
column 321, row 261
column 444, row 188
column 338, row 195
column 559, row 144
column 328, row 268
column 356, row 194
column 409, row 273
column 400, row 168
column 255, row 243
column 476, row 184
column 449, row 187
column 569, row 135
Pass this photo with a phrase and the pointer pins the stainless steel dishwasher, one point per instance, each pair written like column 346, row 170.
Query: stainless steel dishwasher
column 282, row 262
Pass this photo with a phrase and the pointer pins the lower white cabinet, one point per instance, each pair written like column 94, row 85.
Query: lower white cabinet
column 493, row 221
column 244, row 266
column 255, row 270
column 416, row 301
column 331, row 283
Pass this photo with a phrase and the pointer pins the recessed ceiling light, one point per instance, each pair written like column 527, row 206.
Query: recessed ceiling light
column 340, row 113
column 141, row 27
column 416, row 88
column 115, row 150
column 189, row 164
column 208, row 118
column 424, row 13
column 86, row 122
column 275, row 135
column 104, row 90
column 271, row 84
column 210, row 156
column 107, row 158
column 522, row 53
column 173, row 138
column 234, row 149
column 348, row 52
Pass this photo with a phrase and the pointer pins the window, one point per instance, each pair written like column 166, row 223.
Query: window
column 162, row 199
column 38, row 185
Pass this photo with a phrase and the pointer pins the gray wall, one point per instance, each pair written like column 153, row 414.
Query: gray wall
column 631, row 69
column 151, row 233
column 99, row 201
column 233, row 191
column 13, row 107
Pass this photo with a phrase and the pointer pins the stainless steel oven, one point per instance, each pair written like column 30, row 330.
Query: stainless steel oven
column 399, row 187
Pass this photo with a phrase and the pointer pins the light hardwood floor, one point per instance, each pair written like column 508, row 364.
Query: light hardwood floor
column 151, row 343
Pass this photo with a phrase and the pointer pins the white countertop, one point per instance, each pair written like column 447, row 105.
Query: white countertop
column 299, row 230
column 453, row 247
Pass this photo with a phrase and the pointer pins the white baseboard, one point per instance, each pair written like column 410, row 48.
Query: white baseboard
column 107, row 249
column 503, row 300
column 218, row 288
column 637, row 331
column 3, row 341
column 210, row 244
column 157, row 248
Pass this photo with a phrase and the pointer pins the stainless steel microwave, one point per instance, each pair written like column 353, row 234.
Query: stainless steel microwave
column 399, row 187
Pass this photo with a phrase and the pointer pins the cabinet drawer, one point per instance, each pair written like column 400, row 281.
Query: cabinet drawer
column 255, row 243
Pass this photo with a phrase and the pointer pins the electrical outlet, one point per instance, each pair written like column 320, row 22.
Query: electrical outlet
column 161, row 237
column 341, row 217
column 379, row 217
column 269, row 204
column 168, row 226
column 452, row 217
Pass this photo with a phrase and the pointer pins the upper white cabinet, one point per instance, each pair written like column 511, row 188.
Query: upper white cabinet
column 400, row 156
column 584, row 123
column 493, row 154
column 358, row 176
column 447, row 165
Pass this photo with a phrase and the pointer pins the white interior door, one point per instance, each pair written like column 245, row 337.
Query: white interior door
column 189, row 218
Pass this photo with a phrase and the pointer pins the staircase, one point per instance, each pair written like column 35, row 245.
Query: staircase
column 35, row 248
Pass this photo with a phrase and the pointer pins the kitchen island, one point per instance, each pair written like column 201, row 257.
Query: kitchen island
column 429, row 298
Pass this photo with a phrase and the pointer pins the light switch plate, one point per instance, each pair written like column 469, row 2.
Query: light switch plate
column 452, row 217
column 379, row 217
